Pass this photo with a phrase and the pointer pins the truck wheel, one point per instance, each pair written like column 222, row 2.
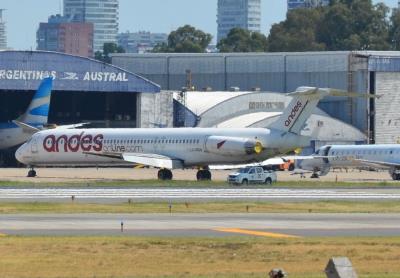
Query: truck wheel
column 268, row 181
column 291, row 167
column 245, row 182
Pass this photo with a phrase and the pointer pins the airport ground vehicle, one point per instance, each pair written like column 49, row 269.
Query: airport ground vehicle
column 254, row 174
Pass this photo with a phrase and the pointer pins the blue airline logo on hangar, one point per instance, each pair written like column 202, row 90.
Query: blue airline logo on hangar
column 87, row 76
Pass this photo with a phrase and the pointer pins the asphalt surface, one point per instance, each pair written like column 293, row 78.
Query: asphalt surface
column 108, row 195
column 275, row 225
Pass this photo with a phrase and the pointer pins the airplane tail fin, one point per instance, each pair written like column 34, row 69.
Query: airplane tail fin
column 38, row 110
column 304, row 101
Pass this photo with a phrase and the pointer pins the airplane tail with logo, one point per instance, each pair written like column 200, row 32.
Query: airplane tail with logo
column 38, row 110
column 295, row 115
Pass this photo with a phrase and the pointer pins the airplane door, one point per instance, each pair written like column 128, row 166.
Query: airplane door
column 34, row 146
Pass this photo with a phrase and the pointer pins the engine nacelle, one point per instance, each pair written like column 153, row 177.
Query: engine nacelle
column 233, row 145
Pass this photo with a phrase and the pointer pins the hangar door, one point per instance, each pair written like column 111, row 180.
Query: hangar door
column 387, row 116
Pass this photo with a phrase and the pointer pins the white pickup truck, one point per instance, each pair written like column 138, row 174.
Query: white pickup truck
column 252, row 174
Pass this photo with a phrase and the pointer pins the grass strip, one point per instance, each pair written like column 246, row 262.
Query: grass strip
column 253, row 257
column 223, row 207
column 192, row 184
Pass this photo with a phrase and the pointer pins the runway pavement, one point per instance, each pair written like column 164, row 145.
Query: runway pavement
column 107, row 195
column 214, row 225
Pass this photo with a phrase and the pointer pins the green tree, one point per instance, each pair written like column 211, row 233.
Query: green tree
column 186, row 39
column 394, row 30
column 355, row 25
column 108, row 48
column 342, row 25
column 297, row 32
column 241, row 40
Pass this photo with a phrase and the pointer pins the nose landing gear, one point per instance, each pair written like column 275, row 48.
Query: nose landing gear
column 31, row 173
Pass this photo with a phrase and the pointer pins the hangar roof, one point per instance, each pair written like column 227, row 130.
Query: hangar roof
column 23, row 70
column 247, row 119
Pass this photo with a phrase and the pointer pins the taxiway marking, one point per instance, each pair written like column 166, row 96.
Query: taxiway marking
column 255, row 233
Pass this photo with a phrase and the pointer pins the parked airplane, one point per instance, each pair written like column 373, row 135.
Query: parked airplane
column 354, row 156
column 170, row 149
column 35, row 118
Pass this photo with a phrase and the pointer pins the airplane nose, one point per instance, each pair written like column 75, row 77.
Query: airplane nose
column 19, row 154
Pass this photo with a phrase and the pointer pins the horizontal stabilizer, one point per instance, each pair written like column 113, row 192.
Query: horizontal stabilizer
column 26, row 128
column 304, row 101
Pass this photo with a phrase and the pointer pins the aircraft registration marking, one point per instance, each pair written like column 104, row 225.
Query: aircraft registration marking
column 255, row 233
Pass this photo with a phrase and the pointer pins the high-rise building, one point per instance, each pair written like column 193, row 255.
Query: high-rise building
column 61, row 35
column 140, row 42
column 102, row 13
column 295, row 4
column 3, row 34
column 244, row 14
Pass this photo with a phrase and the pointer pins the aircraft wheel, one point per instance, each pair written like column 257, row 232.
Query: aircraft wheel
column 31, row 173
column 207, row 175
column 396, row 177
column 168, row 174
column 203, row 175
column 164, row 174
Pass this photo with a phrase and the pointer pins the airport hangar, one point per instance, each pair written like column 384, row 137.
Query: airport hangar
column 374, row 72
column 87, row 90
column 84, row 90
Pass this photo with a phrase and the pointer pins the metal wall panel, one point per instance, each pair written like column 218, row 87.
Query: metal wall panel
column 276, row 72
column 387, row 116
column 24, row 70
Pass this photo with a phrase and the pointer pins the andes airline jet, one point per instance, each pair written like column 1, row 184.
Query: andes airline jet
column 175, row 148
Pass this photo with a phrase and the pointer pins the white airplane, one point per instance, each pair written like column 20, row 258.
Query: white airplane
column 34, row 119
column 175, row 148
column 382, row 156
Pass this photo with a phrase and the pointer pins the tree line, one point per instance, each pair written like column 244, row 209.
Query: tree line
column 342, row 25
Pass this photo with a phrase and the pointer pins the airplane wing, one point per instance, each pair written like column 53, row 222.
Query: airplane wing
column 26, row 128
column 270, row 161
column 377, row 164
column 154, row 160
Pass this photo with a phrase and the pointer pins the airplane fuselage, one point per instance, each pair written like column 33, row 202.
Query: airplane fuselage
column 383, row 156
column 193, row 146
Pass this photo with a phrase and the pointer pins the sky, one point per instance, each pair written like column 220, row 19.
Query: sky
column 23, row 16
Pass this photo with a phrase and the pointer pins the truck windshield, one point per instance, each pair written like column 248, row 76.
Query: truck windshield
column 244, row 170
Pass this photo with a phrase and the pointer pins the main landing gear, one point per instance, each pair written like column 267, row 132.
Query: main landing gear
column 203, row 175
column 31, row 173
column 164, row 175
